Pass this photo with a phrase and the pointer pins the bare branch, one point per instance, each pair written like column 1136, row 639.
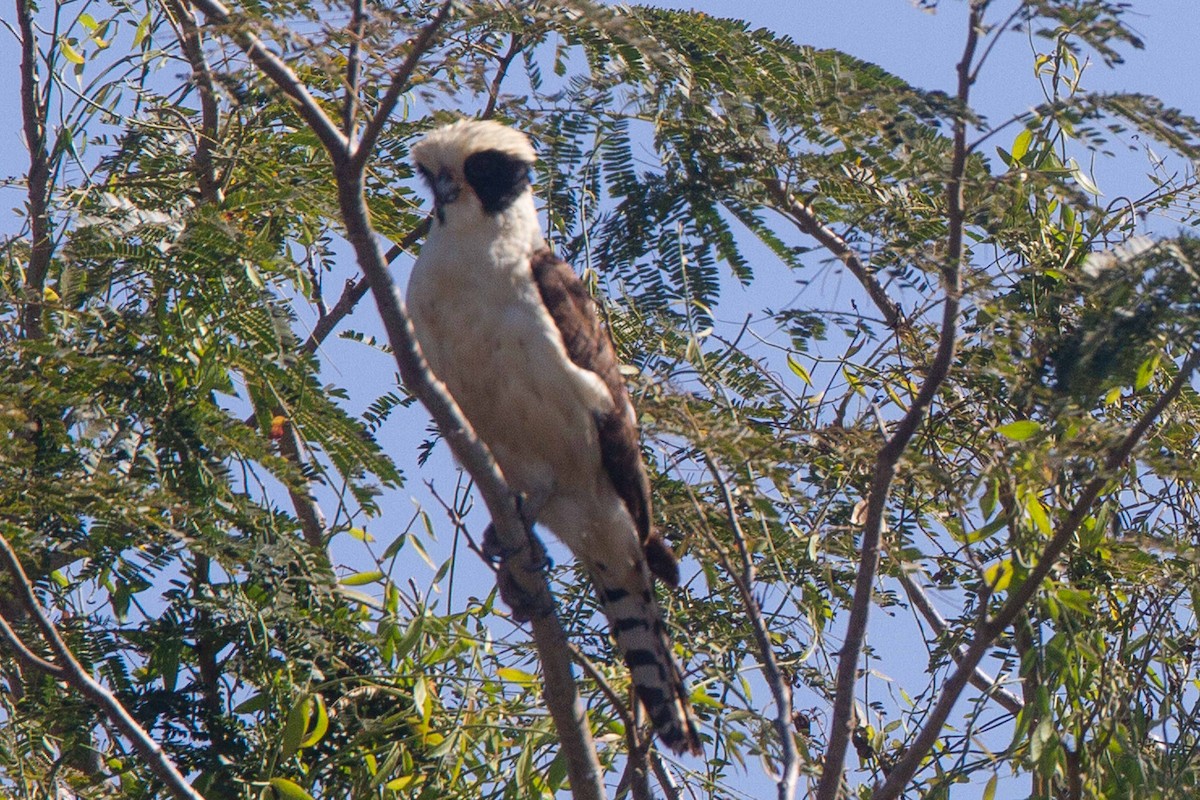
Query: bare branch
column 358, row 19
column 312, row 521
column 636, row 768
column 26, row 656
column 989, row 629
column 781, row 689
column 356, row 290
column 400, row 81
column 842, row 722
column 979, row 678
column 271, row 65
column 514, row 48
column 70, row 670
column 38, row 182
column 804, row 218
column 664, row 778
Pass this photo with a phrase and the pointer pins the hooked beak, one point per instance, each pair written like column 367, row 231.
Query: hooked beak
column 445, row 189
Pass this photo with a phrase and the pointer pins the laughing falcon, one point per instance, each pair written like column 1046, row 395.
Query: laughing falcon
column 511, row 331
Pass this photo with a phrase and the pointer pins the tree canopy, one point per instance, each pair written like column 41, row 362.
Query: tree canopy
column 917, row 397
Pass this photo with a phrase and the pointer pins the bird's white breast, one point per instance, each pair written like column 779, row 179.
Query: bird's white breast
column 482, row 325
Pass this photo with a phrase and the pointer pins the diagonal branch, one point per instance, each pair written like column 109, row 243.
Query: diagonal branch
column 26, row 656
column 988, row 630
column 274, row 67
column 804, row 218
column 521, row 566
column 979, row 678
column 840, row 728
column 365, row 147
column 69, row 669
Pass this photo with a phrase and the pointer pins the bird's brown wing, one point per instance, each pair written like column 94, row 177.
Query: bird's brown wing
column 589, row 347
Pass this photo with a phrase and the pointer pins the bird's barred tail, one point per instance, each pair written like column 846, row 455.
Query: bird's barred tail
column 641, row 636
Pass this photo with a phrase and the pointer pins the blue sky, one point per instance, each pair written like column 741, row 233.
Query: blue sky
column 920, row 47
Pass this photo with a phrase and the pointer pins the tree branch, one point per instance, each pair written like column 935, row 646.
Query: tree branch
column 636, row 768
column 989, row 629
column 70, row 670
column 400, row 80
column 274, row 67
column 781, row 690
column 803, row 217
column 514, row 47
column 312, row 521
column 26, row 656
column 358, row 19
column 38, row 184
column 979, row 678
column 889, row 455
column 193, row 48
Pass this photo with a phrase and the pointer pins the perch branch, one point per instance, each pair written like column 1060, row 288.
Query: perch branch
column 521, row 568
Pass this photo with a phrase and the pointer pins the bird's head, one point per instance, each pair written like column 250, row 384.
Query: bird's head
column 475, row 168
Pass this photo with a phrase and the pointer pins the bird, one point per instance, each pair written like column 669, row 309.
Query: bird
column 513, row 334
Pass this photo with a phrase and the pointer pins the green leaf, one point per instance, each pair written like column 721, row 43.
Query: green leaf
column 989, row 791
column 1145, row 372
column 143, row 28
column 396, row 784
column 296, row 725
column 362, row 578
column 319, row 727
column 421, row 698
column 1037, row 515
column 69, row 52
column 1020, row 430
column 998, row 575
column 514, row 675
column 256, row 703
column 361, row 535
column 985, row 532
column 799, row 369
column 289, row 790
column 1021, row 144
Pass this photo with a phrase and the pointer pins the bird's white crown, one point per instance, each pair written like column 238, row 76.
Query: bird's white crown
column 449, row 146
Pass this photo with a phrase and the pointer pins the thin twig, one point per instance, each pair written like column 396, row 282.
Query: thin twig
column 70, row 670
column 988, row 630
column 781, row 689
column 842, row 721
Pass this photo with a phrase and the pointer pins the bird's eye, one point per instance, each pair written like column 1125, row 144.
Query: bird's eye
column 425, row 174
